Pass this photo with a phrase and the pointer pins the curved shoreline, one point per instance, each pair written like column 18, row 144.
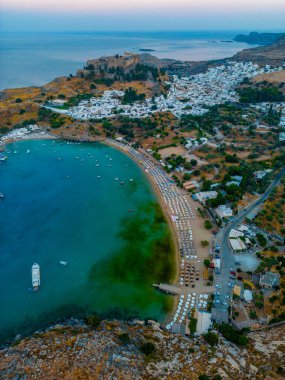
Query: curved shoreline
column 164, row 207
column 166, row 212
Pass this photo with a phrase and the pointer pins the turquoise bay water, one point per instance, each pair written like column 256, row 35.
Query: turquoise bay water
column 113, row 237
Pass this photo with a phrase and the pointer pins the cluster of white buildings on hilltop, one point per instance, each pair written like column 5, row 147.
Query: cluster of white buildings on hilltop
column 187, row 95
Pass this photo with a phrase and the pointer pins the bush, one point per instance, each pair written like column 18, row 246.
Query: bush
column 93, row 321
column 18, row 100
column 124, row 338
column 204, row 377
column 261, row 240
column 207, row 263
column 208, row 225
column 147, row 348
column 211, row 338
column 204, row 243
column 233, row 335
column 193, row 325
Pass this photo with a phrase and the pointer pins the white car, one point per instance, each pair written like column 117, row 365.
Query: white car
column 218, row 286
column 216, row 301
column 225, row 304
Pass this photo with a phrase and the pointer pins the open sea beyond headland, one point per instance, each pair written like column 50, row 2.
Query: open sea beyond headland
column 63, row 203
column 35, row 58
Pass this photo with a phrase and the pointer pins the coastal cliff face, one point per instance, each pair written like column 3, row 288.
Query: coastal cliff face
column 273, row 54
column 114, row 350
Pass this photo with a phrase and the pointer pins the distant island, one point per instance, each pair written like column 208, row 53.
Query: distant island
column 146, row 50
column 259, row 38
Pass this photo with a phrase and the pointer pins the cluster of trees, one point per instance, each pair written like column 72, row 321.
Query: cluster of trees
column 109, row 75
column 258, row 95
column 50, row 117
column 131, row 96
column 75, row 100
column 272, row 117
column 24, row 123
column 233, row 335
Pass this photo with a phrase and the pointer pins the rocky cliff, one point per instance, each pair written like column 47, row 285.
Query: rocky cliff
column 115, row 351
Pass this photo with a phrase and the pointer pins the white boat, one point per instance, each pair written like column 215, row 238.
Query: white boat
column 36, row 280
column 28, row 150
column 63, row 262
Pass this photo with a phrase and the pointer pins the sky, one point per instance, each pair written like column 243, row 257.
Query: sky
column 124, row 15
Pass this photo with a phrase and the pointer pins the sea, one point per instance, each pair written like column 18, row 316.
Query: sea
column 91, row 207
column 33, row 59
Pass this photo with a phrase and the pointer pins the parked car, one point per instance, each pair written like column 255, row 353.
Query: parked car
column 233, row 272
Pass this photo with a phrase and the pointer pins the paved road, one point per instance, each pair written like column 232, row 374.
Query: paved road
column 228, row 262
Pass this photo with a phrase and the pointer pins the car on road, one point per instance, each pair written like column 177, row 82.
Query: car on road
column 233, row 272
column 216, row 301
column 225, row 304
column 228, row 297
column 230, row 284
column 217, row 293
column 218, row 286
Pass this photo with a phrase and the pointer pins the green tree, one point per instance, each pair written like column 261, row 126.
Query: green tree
column 211, row 338
column 208, row 225
column 207, row 263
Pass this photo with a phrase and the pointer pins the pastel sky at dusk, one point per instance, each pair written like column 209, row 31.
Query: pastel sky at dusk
column 142, row 14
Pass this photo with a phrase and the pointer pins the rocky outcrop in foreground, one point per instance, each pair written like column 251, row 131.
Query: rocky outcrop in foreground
column 114, row 351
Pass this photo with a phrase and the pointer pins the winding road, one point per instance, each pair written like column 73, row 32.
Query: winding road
column 223, row 295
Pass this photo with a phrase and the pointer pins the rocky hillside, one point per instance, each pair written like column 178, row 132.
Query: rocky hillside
column 116, row 350
column 273, row 54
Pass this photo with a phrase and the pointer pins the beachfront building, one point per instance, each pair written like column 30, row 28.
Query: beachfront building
column 204, row 322
column 203, row 196
column 190, row 185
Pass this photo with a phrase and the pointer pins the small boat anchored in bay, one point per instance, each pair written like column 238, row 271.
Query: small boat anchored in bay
column 36, row 281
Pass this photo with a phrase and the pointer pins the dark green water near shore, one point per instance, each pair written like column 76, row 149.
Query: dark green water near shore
column 63, row 202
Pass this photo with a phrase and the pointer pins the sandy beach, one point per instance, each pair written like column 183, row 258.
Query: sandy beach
column 194, row 231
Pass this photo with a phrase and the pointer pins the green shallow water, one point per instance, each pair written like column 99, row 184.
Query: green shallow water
column 60, row 205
